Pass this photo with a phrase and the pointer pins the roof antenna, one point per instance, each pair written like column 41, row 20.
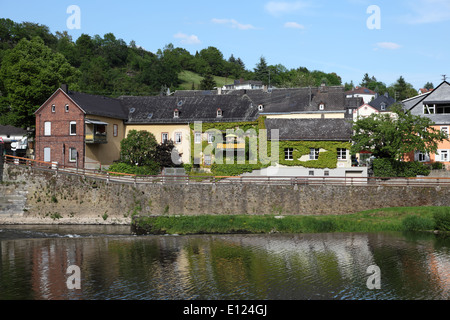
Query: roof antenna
column 445, row 77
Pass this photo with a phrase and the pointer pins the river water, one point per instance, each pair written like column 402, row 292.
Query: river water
column 114, row 265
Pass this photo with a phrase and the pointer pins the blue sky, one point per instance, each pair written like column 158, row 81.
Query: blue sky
column 332, row 36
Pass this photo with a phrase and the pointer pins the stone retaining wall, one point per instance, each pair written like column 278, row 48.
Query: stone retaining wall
column 58, row 197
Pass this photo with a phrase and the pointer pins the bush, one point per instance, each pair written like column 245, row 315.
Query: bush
column 417, row 223
column 149, row 170
column 437, row 166
column 391, row 168
column 319, row 225
column 442, row 220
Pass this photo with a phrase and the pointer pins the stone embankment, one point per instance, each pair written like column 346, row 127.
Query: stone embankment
column 46, row 197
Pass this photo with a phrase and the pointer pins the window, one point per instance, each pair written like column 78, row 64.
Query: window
column 178, row 137
column 422, row 157
column 176, row 113
column 443, row 109
column 321, row 106
column 210, row 137
column 314, row 154
column 47, row 155
column 73, row 155
column 261, row 107
column 115, row 130
column 383, row 106
column 342, row 154
column 53, row 108
column 327, row 173
column 219, row 113
column 443, row 155
column 66, row 108
column 311, row 173
column 164, row 137
column 429, row 109
column 47, row 129
column 445, row 130
column 198, row 137
column 289, row 154
column 73, row 128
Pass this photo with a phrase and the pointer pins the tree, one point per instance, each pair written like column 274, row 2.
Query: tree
column 208, row 82
column 163, row 155
column 429, row 85
column 402, row 90
column 262, row 71
column 29, row 74
column 138, row 148
column 393, row 136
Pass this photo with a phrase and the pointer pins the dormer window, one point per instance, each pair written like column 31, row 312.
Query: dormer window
column 383, row 106
column 261, row 107
column 176, row 113
column 219, row 113
column 322, row 106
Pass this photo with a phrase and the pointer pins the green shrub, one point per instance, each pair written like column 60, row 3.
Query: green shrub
column 392, row 168
column 149, row 170
column 442, row 220
column 437, row 166
column 417, row 223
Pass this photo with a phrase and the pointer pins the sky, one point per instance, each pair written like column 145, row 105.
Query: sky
column 386, row 39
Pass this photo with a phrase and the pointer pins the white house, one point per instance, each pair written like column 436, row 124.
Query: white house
column 361, row 92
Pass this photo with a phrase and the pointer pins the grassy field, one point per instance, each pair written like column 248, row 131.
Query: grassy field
column 188, row 77
column 390, row 219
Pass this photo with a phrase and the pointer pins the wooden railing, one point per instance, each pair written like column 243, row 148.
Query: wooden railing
column 199, row 179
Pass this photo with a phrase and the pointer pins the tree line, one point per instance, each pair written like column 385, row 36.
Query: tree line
column 35, row 62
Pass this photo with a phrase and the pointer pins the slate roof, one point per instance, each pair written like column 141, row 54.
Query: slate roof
column 12, row 131
column 311, row 129
column 440, row 95
column 99, row 105
column 160, row 109
column 377, row 102
column 360, row 90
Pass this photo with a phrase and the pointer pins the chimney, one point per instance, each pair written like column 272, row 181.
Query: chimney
column 65, row 88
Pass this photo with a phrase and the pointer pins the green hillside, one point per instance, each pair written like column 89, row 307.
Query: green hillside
column 188, row 78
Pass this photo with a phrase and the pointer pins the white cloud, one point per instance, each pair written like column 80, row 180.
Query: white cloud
column 294, row 25
column 428, row 11
column 187, row 39
column 233, row 23
column 388, row 45
column 277, row 8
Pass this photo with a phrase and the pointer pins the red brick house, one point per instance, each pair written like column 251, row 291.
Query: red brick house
column 79, row 130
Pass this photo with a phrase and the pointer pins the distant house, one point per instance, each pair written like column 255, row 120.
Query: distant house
column 241, row 84
column 380, row 104
column 361, row 92
column 79, row 130
column 434, row 105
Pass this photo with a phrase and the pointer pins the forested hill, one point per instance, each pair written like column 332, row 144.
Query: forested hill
column 35, row 62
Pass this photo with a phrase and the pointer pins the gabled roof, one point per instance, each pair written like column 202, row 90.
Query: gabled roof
column 92, row 104
column 439, row 95
column 311, row 129
column 12, row 131
column 160, row 109
column 377, row 102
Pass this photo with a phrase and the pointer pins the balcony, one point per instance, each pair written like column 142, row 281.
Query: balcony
column 95, row 132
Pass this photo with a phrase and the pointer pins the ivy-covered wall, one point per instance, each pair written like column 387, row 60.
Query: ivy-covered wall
column 327, row 159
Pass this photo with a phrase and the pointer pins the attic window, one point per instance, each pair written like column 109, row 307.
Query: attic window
column 67, row 108
column 53, row 108
column 383, row 106
column 219, row 113
column 180, row 103
column 132, row 110
column 176, row 113
column 261, row 107
column 321, row 106
column 150, row 115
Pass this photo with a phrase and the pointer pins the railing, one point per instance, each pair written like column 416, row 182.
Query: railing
column 256, row 180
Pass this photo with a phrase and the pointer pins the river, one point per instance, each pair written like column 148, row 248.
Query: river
column 107, row 263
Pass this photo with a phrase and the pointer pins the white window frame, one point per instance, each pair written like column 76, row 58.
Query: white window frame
column 198, row 137
column 441, row 154
column 427, row 109
column 445, row 130
column 72, row 152
column 115, row 130
column 289, row 154
column 70, row 128
column 176, row 114
column 314, row 154
column 219, row 113
column 53, row 108
column 342, row 154
column 66, row 108
column 180, row 136
column 422, row 156
column 47, row 154
column 47, row 128
column 164, row 137
column 210, row 137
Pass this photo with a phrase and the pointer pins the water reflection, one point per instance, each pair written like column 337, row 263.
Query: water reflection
column 244, row 267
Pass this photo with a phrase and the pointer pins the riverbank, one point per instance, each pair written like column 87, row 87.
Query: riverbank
column 379, row 220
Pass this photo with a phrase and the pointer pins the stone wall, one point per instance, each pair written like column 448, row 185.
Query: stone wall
column 71, row 197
